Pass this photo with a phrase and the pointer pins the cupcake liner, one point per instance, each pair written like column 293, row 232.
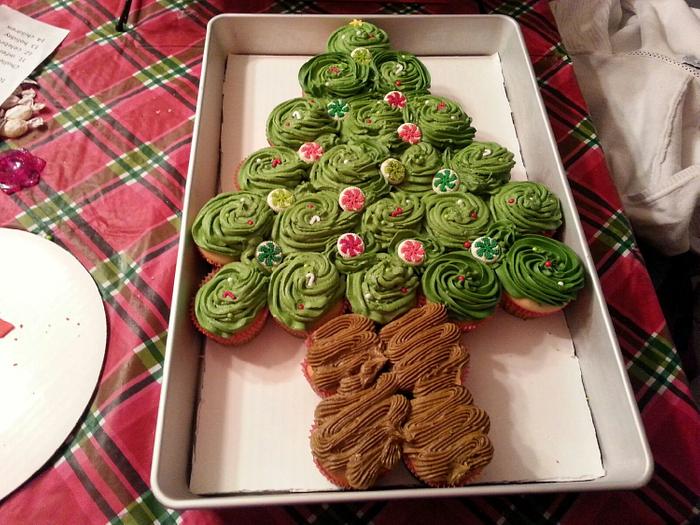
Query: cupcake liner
column 510, row 306
column 236, row 181
column 338, row 482
column 305, row 370
column 215, row 259
column 465, row 480
column 334, row 311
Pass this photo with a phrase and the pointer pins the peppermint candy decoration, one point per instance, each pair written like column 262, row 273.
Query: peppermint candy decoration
column 395, row 99
column 393, row 171
column 350, row 245
column 352, row 198
column 337, row 109
column 445, row 181
column 362, row 56
column 310, row 152
column 280, row 199
column 486, row 249
column 411, row 252
column 269, row 254
column 409, row 132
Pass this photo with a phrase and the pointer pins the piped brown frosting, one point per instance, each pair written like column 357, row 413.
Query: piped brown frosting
column 345, row 346
column 357, row 433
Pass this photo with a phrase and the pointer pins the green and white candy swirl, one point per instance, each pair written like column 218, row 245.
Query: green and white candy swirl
column 311, row 221
column 443, row 123
column 372, row 119
column 483, row 167
column 303, row 288
column 299, row 120
column 334, row 75
column 230, row 223
column 422, row 161
column 530, row 206
column 230, row 301
column 271, row 168
column 541, row 269
column 399, row 212
column 355, row 164
column 468, row 288
column 455, row 218
column 400, row 71
column 357, row 34
column 383, row 291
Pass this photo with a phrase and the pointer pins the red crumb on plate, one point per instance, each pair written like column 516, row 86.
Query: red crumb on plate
column 5, row 328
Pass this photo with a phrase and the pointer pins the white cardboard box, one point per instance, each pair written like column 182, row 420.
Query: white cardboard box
column 563, row 415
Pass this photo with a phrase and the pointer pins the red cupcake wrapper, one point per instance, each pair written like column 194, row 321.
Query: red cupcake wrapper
column 465, row 480
column 338, row 482
column 515, row 309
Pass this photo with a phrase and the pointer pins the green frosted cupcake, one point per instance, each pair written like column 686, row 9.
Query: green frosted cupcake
column 383, row 291
column 357, row 33
column 311, row 221
column 351, row 253
column 422, row 161
column 400, row 71
column 334, row 75
column 530, row 206
column 539, row 276
column 399, row 212
column 270, row 168
column 299, row 120
column 442, row 122
column 431, row 249
column 305, row 291
column 455, row 219
column 468, row 288
column 483, row 167
column 231, row 223
column 355, row 164
column 230, row 305
column 372, row 119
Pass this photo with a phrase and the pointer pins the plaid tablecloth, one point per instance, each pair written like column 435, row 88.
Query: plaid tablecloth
column 121, row 107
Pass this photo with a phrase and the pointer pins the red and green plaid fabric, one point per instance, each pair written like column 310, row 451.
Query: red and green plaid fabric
column 117, row 147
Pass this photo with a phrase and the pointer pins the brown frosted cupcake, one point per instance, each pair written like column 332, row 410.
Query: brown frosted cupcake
column 357, row 436
column 344, row 346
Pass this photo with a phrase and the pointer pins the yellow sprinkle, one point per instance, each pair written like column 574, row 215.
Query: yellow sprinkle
column 356, row 22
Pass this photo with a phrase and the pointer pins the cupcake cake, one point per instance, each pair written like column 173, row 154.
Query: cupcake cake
column 231, row 223
column 230, row 305
column 529, row 206
column 539, row 277
column 305, row 291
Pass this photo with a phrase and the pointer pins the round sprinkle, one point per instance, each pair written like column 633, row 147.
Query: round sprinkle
column 280, row 199
column 486, row 249
column 269, row 254
column 350, row 245
column 393, row 171
column 362, row 56
column 352, row 198
column 445, row 181
column 411, row 251
column 310, row 152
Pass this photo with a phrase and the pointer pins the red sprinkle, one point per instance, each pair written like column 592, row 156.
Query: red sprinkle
column 404, row 290
column 300, row 306
column 548, row 264
column 396, row 212
column 250, row 222
column 474, row 215
column 460, row 278
column 309, row 205
column 511, row 201
column 368, row 121
column 467, row 244
column 229, row 294
column 397, row 83
column 276, row 162
column 441, row 106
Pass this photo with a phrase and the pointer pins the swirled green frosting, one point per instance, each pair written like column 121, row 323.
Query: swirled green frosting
column 398, row 212
column 303, row 288
column 311, row 221
column 230, row 223
column 541, row 269
column 468, row 288
column 353, row 264
column 270, row 168
column 299, row 120
column 333, row 75
column 400, row 71
column 230, row 301
column 422, row 161
column 355, row 164
column 530, row 206
column 348, row 37
column 383, row 291
column 483, row 167
column 373, row 119
column 432, row 247
column 453, row 218
column 505, row 234
column 441, row 120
